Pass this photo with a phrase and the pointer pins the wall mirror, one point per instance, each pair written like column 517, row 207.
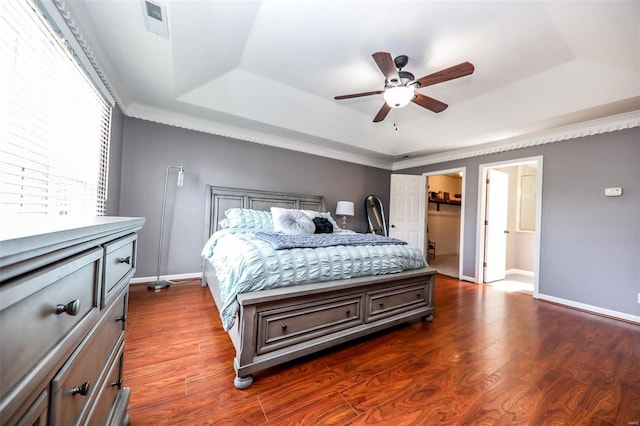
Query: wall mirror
column 375, row 215
column 528, row 189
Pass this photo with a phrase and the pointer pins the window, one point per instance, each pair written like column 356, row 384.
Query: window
column 54, row 123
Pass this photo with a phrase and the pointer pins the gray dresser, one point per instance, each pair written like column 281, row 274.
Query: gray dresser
column 63, row 309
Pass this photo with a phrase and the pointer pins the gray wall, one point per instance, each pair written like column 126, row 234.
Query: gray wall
column 590, row 244
column 148, row 149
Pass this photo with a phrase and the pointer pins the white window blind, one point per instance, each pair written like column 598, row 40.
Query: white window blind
column 54, row 124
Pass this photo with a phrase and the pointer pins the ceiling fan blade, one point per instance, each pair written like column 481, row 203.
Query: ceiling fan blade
column 387, row 66
column 429, row 103
column 450, row 73
column 357, row 95
column 381, row 115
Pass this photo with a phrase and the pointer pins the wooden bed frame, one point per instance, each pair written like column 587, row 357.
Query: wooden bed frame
column 279, row 325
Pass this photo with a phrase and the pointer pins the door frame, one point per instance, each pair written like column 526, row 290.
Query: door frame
column 482, row 199
column 462, row 169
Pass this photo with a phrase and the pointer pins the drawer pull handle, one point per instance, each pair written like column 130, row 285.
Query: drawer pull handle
column 117, row 383
column 83, row 389
column 284, row 327
column 122, row 318
column 126, row 260
column 348, row 311
column 381, row 304
column 71, row 308
column 419, row 296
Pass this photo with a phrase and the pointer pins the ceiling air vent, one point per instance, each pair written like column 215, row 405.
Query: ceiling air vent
column 155, row 18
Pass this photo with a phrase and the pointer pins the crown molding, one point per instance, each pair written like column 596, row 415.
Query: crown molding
column 593, row 127
column 71, row 18
column 588, row 128
column 170, row 118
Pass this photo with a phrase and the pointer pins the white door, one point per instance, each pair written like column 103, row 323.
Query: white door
column 407, row 209
column 495, row 251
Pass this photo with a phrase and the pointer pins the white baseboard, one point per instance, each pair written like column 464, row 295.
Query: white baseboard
column 145, row 280
column 589, row 308
column 519, row 272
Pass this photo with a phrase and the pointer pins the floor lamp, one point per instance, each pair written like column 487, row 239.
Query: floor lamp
column 159, row 284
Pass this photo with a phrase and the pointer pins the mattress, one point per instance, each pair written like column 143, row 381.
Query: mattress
column 244, row 263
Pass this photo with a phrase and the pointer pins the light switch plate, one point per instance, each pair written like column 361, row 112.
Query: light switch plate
column 612, row 192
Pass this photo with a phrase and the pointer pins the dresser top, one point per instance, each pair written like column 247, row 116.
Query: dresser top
column 23, row 237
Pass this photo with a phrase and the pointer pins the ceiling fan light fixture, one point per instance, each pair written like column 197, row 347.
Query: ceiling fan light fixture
column 401, row 87
column 398, row 96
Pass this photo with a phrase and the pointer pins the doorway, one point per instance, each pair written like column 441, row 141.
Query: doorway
column 444, row 217
column 509, row 224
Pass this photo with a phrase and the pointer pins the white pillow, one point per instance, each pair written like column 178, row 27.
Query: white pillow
column 292, row 222
column 311, row 213
column 276, row 212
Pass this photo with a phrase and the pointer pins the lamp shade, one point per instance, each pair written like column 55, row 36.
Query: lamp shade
column 181, row 176
column 344, row 208
column 399, row 96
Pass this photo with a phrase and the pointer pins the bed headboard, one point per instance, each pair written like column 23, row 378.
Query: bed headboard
column 219, row 199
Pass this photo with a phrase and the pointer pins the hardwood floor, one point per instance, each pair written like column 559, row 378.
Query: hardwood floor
column 489, row 357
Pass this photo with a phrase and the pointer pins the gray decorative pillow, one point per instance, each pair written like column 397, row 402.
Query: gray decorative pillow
column 294, row 222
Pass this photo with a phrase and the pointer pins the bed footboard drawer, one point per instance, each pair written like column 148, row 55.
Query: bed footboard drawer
column 387, row 302
column 287, row 325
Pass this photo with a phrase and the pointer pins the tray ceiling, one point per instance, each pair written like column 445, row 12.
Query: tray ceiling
column 268, row 71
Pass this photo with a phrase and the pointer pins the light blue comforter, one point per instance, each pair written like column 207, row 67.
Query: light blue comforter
column 244, row 263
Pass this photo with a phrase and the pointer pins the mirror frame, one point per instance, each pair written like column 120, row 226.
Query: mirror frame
column 375, row 218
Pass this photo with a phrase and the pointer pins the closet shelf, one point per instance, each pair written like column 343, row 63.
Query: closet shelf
column 441, row 201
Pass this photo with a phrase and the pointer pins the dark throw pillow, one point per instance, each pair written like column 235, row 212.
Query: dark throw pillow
column 323, row 226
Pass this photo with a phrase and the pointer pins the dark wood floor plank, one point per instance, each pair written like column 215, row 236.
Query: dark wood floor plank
column 293, row 371
column 216, row 405
column 330, row 410
column 489, row 357
column 490, row 406
column 372, row 391
column 386, row 352
column 616, row 403
column 289, row 398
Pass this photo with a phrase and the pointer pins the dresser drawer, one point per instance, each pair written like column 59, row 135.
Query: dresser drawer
column 30, row 326
column 386, row 302
column 76, row 384
column 286, row 326
column 36, row 415
column 119, row 265
column 108, row 402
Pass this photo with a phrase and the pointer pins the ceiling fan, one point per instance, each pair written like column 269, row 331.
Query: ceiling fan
column 400, row 86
